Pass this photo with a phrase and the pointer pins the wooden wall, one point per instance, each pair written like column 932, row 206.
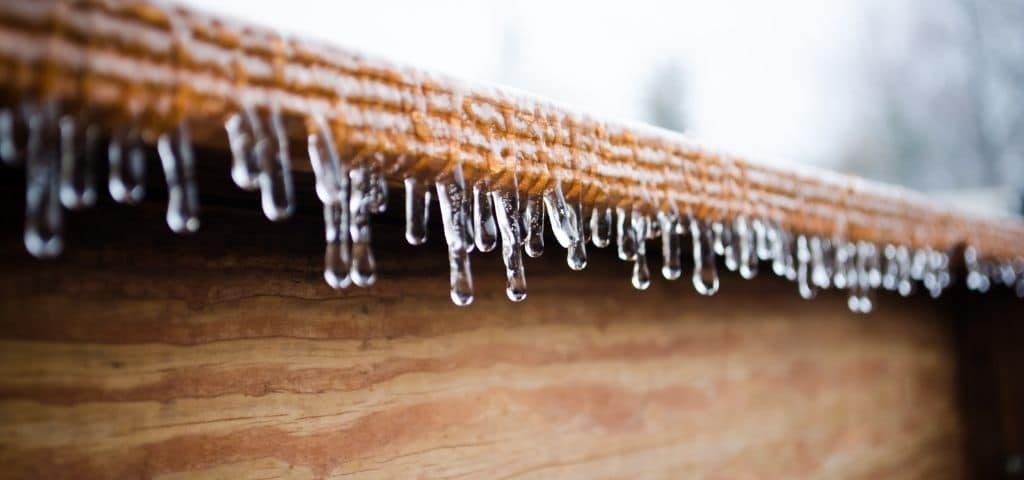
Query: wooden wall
column 224, row 355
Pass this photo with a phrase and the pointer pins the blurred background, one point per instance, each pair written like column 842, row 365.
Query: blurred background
column 924, row 93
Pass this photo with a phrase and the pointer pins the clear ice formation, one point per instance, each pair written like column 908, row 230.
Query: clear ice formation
column 60, row 153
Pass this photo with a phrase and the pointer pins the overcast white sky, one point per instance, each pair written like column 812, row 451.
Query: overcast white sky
column 776, row 80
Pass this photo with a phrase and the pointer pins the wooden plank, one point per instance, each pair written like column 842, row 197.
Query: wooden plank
column 224, row 355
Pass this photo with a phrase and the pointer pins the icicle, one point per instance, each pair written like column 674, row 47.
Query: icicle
column 808, row 289
column 126, row 156
column 78, row 159
column 891, row 271
column 625, row 237
column 653, row 230
column 777, row 241
column 670, row 246
column 705, row 273
column 576, row 256
column 44, row 222
column 861, row 293
column 417, row 211
column 843, row 264
column 332, row 190
column 566, row 225
column 364, row 266
column 584, row 215
column 10, row 154
column 918, row 262
column 746, row 249
column 976, row 278
column 641, row 278
column 533, row 219
column 451, row 195
column 175, row 150
column 507, row 214
column 378, row 192
column 277, row 194
column 245, row 164
column 820, row 276
column 787, row 255
column 601, row 226
column 761, row 238
column 904, row 284
column 937, row 276
column 484, row 229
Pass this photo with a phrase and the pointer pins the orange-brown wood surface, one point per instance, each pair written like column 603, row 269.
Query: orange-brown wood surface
column 224, row 355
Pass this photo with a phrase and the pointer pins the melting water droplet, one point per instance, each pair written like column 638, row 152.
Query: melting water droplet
column 44, row 222
column 533, row 219
column 484, row 228
column 78, row 158
column 566, row 224
column 126, row 156
column 417, row 211
column 625, row 236
column 277, row 194
column 808, row 289
column 745, row 248
column 451, row 195
column 641, row 278
column 175, row 151
column 672, row 268
column 507, row 213
column 601, row 226
column 10, row 154
column 364, row 266
column 245, row 164
column 332, row 190
column 705, row 272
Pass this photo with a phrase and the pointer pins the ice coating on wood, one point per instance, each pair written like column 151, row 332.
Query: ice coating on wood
column 175, row 150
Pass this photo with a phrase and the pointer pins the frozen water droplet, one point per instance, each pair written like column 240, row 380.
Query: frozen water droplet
column 705, row 272
column 670, row 246
column 843, row 264
column 10, row 153
column 378, row 191
column 451, row 195
column 745, row 248
column 277, row 194
column 417, row 211
column 904, row 284
column 789, row 259
column 245, row 165
column 78, row 144
column 601, row 226
column 861, row 299
column 364, row 266
column 533, row 219
column 484, row 229
column 567, row 225
column 641, row 278
column 778, row 248
column 625, row 236
column 808, row 289
column 44, row 222
column 126, row 156
column 175, row 151
column 507, row 214
column 332, row 190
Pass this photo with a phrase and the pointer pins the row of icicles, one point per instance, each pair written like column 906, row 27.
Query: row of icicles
column 60, row 151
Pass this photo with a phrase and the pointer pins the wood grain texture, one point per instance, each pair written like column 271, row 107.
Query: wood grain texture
column 139, row 354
